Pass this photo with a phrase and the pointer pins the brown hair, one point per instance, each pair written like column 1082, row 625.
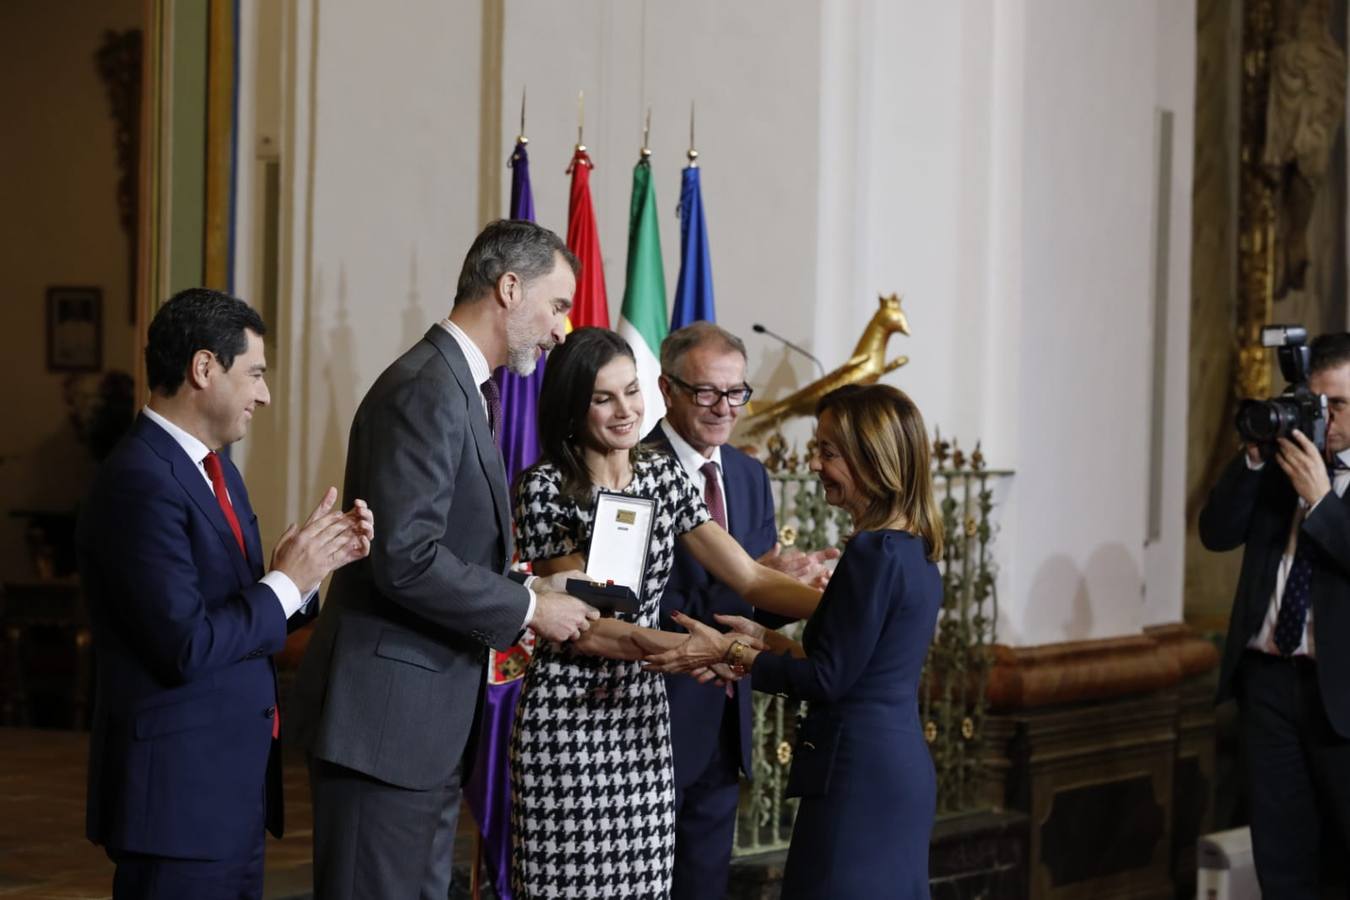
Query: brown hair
column 882, row 438
column 565, row 399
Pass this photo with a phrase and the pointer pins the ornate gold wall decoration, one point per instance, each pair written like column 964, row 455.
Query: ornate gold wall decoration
column 1293, row 106
column 865, row 366
column 1270, row 93
column 1256, row 204
column 1304, row 111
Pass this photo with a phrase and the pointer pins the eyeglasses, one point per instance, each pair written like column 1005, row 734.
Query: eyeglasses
column 710, row 396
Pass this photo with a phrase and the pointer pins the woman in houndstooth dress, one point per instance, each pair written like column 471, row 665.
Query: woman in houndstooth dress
column 593, row 797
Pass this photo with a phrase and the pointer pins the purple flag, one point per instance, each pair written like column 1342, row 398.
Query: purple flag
column 488, row 791
column 519, row 436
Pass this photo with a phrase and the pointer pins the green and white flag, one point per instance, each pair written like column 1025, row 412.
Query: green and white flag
column 643, row 319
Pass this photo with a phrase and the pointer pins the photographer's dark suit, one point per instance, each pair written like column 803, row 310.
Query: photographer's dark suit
column 711, row 733
column 1295, row 711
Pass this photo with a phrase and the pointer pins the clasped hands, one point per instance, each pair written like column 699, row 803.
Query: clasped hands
column 705, row 653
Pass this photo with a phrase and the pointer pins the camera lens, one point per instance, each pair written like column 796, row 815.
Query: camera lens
column 1262, row 421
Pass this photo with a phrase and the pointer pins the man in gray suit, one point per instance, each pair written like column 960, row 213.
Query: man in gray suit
column 387, row 693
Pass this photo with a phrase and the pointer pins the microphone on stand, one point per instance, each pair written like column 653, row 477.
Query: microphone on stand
column 760, row 329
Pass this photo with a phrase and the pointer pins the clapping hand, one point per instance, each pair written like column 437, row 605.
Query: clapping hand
column 326, row 541
column 808, row 568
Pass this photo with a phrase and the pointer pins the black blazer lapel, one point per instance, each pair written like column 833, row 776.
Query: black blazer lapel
column 488, row 454
column 192, row 481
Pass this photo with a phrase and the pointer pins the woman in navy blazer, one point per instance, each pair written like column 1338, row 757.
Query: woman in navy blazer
column 861, row 767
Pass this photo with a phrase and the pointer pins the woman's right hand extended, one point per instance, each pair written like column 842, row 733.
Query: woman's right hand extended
column 704, row 647
column 741, row 625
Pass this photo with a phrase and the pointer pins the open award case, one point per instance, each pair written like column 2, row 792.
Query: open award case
column 620, row 537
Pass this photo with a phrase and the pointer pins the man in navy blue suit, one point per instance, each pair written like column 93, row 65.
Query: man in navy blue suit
column 703, row 383
column 184, row 767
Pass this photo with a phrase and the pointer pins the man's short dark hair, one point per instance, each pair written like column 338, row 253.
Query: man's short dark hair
column 192, row 320
column 696, row 334
column 510, row 245
column 1329, row 351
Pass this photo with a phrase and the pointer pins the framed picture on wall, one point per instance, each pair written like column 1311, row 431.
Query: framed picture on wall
column 74, row 329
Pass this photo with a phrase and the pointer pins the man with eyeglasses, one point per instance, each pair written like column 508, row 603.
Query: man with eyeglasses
column 703, row 383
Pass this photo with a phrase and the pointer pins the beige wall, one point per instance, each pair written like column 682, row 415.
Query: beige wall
column 849, row 149
column 376, row 129
column 996, row 161
column 60, row 227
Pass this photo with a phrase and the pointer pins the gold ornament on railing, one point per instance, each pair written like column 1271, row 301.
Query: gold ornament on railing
column 977, row 459
column 941, row 448
column 865, row 366
column 777, row 448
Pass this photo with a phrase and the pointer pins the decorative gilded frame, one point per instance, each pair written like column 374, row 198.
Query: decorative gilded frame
column 1256, row 206
column 159, row 185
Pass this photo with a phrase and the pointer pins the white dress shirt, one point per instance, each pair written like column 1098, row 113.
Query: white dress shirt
column 287, row 594
column 480, row 372
column 1265, row 637
column 693, row 463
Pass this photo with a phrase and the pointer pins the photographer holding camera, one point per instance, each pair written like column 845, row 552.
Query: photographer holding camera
column 1287, row 657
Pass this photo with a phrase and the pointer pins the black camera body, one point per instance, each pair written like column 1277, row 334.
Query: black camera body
column 1264, row 421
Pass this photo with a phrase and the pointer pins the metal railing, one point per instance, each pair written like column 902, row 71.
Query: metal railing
column 952, row 693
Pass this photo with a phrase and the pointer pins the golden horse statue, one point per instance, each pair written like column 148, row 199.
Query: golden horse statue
column 865, row 366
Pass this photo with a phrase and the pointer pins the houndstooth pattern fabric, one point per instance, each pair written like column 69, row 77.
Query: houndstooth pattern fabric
column 592, row 786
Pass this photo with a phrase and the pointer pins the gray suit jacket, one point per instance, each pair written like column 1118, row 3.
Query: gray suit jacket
column 391, row 680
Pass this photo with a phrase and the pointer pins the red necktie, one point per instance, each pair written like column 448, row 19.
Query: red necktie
column 717, row 508
column 712, row 494
column 217, row 476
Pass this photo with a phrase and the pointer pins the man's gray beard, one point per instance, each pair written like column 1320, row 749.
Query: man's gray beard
column 520, row 345
column 522, row 362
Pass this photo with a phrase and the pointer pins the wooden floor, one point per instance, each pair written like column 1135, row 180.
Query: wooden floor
column 43, row 851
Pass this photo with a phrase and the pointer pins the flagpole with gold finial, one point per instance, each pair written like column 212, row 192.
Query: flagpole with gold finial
column 692, row 154
column 581, row 121
column 579, row 153
column 521, row 138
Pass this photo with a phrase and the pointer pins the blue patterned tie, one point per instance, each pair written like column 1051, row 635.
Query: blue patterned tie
column 1298, row 588
column 493, row 395
column 1294, row 603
